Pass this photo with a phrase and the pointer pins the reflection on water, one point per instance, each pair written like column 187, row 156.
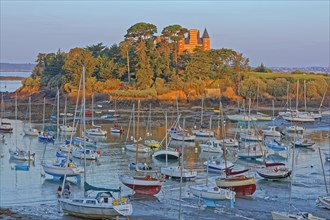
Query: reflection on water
column 32, row 188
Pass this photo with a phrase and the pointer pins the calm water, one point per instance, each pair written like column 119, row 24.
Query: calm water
column 12, row 85
column 30, row 193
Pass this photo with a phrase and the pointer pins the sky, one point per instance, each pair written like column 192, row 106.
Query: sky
column 276, row 33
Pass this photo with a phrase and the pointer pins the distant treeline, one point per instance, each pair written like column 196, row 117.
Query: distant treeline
column 16, row 67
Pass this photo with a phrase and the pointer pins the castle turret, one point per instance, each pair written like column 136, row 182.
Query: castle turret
column 206, row 40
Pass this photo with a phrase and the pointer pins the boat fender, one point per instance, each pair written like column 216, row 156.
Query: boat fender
column 123, row 200
column 115, row 202
column 98, row 152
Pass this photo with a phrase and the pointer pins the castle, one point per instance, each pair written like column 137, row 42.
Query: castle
column 193, row 40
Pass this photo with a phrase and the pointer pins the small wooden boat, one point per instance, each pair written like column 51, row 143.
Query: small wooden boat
column 271, row 131
column 5, row 127
column 62, row 168
column 183, row 136
column 142, row 184
column 116, row 129
column 241, row 184
column 274, row 171
column 276, row 145
column 176, row 172
column 229, row 142
column 171, row 154
column 45, row 137
column 22, row 155
column 103, row 206
column 212, row 192
column 140, row 148
column 213, row 146
column 303, row 143
column 218, row 164
column 31, row 131
column 96, row 132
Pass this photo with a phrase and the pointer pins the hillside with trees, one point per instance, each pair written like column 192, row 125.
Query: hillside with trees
column 141, row 67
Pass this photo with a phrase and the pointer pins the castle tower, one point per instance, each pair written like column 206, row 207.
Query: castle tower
column 206, row 40
column 193, row 40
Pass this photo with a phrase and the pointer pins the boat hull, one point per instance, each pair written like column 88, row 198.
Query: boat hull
column 241, row 185
column 211, row 193
column 142, row 185
column 94, row 212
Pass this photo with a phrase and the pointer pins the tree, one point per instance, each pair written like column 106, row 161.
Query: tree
column 141, row 31
column 144, row 73
column 277, row 87
column 262, row 69
column 174, row 33
column 76, row 58
column 248, row 87
column 96, row 49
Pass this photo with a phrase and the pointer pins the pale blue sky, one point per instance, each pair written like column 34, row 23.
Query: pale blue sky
column 277, row 33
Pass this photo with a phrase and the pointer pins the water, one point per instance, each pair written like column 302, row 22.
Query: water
column 12, row 85
column 28, row 192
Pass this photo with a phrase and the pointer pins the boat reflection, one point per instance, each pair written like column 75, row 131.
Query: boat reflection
column 143, row 197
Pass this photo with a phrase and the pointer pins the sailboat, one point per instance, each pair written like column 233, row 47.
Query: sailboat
column 211, row 193
column 324, row 201
column 135, row 145
column 274, row 171
column 148, row 141
column 43, row 135
column 179, row 171
column 96, row 130
column 5, row 126
column 142, row 184
column 202, row 131
column 166, row 154
column 236, row 180
column 20, row 154
column 116, row 128
column 66, row 127
column 29, row 130
column 104, row 204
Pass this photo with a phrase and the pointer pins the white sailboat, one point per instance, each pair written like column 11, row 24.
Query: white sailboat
column 103, row 205
column 96, row 130
column 166, row 153
column 202, row 131
column 5, row 126
column 141, row 184
column 65, row 127
column 20, row 154
column 211, row 193
column 29, row 130
column 135, row 146
column 148, row 141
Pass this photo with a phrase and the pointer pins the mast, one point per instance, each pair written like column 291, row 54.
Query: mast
column 166, row 138
column 30, row 111
column 93, row 109
column 84, row 118
column 58, row 113
column 305, row 94
column 257, row 95
column 325, row 179
column 297, row 95
column 202, row 111
column 43, row 115
column 137, row 134
column 16, row 120
column 223, row 137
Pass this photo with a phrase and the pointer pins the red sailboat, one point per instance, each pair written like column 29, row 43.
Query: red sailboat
column 236, row 181
column 142, row 184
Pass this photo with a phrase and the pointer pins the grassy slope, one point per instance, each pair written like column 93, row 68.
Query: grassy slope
column 288, row 76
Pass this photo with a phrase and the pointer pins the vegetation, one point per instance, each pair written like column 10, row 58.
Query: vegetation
column 143, row 65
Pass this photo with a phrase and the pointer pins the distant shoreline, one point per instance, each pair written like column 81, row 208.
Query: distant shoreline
column 16, row 78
